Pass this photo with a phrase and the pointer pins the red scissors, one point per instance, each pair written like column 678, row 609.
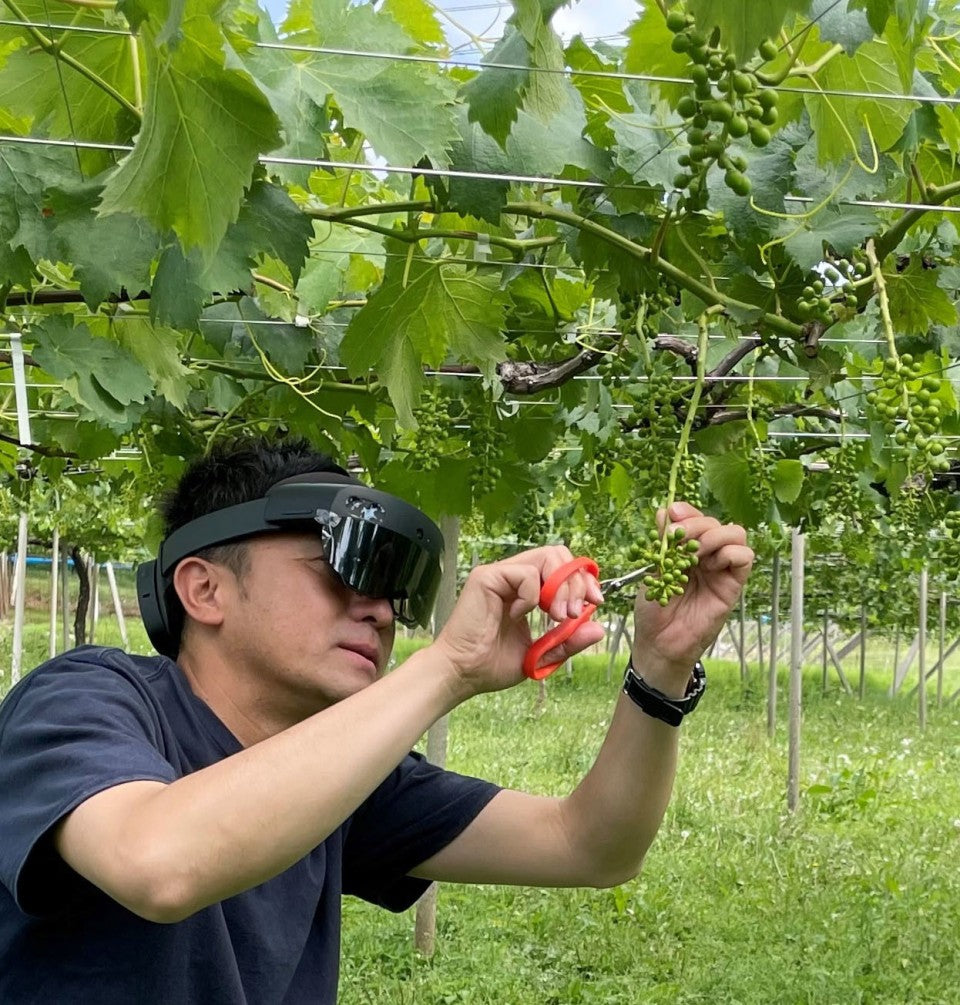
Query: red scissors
column 565, row 629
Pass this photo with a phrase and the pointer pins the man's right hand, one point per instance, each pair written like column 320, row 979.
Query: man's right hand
column 487, row 635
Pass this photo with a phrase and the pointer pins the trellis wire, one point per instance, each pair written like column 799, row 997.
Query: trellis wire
column 650, row 78
column 452, row 173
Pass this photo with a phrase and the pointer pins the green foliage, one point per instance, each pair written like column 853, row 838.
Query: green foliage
column 185, row 281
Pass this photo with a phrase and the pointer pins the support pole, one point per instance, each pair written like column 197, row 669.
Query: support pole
column 862, row 684
column 4, row 583
column 20, row 599
column 825, row 654
column 65, row 597
column 797, row 542
column 922, row 650
column 117, row 606
column 425, row 926
column 54, row 583
column 941, row 644
column 743, row 641
column 774, row 646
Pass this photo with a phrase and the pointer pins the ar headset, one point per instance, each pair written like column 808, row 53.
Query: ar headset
column 377, row 544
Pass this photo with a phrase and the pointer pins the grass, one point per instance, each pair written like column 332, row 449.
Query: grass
column 854, row 898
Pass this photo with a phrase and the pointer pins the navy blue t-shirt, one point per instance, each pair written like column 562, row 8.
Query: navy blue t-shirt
column 98, row 717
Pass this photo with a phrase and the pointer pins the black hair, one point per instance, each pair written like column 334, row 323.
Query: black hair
column 238, row 471
column 234, row 472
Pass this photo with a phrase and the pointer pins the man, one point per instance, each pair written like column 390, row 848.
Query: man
column 183, row 831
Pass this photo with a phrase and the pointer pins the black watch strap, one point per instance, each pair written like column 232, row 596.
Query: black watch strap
column 656, row 703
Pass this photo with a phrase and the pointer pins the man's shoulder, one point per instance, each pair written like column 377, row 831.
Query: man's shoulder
column 89, row 669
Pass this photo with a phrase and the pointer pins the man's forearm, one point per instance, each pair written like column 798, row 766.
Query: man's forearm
column 616, row 811
column 243, row 820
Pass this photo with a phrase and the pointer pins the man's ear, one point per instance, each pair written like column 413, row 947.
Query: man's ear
column 200, row 587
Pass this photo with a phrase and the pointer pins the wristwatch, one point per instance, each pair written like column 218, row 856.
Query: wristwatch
column 656, row 703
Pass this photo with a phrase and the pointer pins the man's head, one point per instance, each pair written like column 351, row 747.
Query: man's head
column 264, row 544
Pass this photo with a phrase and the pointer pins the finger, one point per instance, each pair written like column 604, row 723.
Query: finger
column 588, row 634
column 694, row 527
column 734, row 558
column 516, row 584
column 712, row 539
column 682, row 511
column 582, row 588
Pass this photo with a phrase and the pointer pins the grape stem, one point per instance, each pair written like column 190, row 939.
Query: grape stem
column 681, row 452
column 881, row 285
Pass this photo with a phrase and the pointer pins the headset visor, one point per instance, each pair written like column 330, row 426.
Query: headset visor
column 379, row 562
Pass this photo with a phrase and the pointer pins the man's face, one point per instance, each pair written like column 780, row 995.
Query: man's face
column 294, row 628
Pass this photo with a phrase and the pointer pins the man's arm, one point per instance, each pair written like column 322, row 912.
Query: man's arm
column 168, row 850
column 598, row 836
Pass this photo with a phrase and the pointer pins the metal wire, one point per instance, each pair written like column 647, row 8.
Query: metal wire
column 474, row 175
column 322, row 50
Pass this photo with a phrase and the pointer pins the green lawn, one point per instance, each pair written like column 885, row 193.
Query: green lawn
column 856, row 898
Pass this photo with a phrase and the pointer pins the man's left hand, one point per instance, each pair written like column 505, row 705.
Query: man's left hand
column 669, row 640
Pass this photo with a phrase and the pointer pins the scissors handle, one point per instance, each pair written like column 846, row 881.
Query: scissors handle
column 560, row 633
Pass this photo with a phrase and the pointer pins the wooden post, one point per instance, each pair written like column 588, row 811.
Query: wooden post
column 774, row 645
column 20, row 600
column 942, row 643
column 65, row 597
column 796, row 668
column 922, row 651
column 826, row 628
column 93, row 567
column 760, row 659
column 862, row 686
column 4, row 583
column 425, row 926
column 117, row 605
column 743, row 642
column 54, row 582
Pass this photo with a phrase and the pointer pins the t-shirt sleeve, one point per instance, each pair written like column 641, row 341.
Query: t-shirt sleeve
column 418, row 810
column 66, row 734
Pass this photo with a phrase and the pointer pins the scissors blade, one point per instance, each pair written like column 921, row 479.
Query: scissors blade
column 611, row 585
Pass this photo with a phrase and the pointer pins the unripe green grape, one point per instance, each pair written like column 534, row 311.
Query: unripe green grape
column 676, row 21
column 759, row 135
column 687, row 106
column 738, row 126
column 768, row 50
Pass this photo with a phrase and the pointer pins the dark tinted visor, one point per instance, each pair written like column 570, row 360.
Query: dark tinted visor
column 378, row 562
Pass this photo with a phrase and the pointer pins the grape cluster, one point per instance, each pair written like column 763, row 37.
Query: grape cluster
column 827, row 292
column 485, row 474
column 690, row 480
column 949, row 544
column 844, row 496
column 906, row 401
column 728, row 103
column 671, row 569
column 657, row 417
column 433, row 426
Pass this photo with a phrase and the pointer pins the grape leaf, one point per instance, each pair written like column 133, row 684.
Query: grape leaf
column 177, row 296
column 157, row 348
column 744, row 24
column 418, row 18
column 203, row 128
column 533, row 148
column 109, row 254
column 96, row 372
column 842, row 23
column 730, row 477
column 788, row 479
column 24, row 174
column 917, row 302
column 877, row 11
column 839, row 228
column 648, row 52
column 56, row 99
column 839, row 123
column 404, row 109
column 422, row 310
